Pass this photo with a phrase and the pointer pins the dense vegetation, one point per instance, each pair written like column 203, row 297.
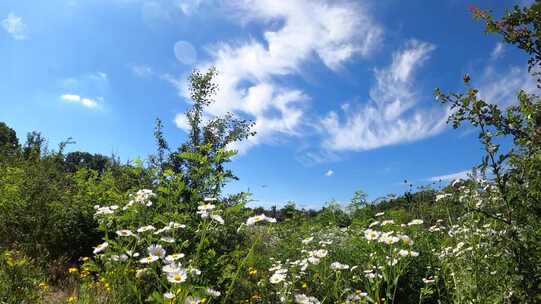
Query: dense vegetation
column 83, row 228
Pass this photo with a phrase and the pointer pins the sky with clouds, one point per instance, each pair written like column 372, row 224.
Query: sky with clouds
column 341, row 92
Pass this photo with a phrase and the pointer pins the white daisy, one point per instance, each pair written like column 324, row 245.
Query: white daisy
column 148, row 259
column 177, row 276
column 173, row 257
column 277, row 278
column 101, row 247
column 156, row 250
column 167, row 239
column 146, row 228
column 124, row 232
column 217, row 218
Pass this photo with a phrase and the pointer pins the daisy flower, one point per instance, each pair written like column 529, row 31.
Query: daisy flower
column 101, row 247
column 156, row 250
column 178, row 276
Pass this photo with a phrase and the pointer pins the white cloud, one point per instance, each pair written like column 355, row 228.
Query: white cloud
column 500, row 87
column 86, row 102
column 389, row 117
column 329, row 172
column 15, row 26
column 498, row 50
column 450, row 177
column 189, row 6
column 333, row 31
column 141, row 70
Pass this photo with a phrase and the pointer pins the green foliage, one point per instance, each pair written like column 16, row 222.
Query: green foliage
column 20, row 280
column 163, row 232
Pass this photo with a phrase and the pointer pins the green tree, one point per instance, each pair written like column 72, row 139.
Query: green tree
column 202, row 158
column 516, row 172
column 9, row 144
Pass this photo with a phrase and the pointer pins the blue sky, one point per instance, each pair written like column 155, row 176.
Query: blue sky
column 341, row 91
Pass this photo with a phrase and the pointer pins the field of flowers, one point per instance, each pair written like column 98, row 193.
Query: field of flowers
column 95, row 231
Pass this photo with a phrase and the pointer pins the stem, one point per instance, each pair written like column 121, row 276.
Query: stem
column 239, row 269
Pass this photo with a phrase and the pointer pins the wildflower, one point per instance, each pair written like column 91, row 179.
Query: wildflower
column 321, row 253
column 72, row 299
column 252, row 271
column 406, row 239
column 313, row 260
column 173, row 257
column 339, row 266
column 415, row 222
column 172, row 267
column 403, row 253
column 204, row 214
column 371, row 235
column 380, row 214
column 167, row 239
column 132, row 254
column 388, row 239
column 192, row 300
column 101, row 247
column 72, row 270
column 259, row 218
column 194, row 271
column 168, row 295
column 124, row 232
column 206, row 207
column 304, row 299
column 375, row 223
column 164, row 229
column 156, row 250
column 277, row 277
column 149, row 259
column 210, row 199
column 177, row 276
column 213, row 293
column 146, row 228
column 442, row 196
column 104, row 211
column 123, row 257
column 308, row 240
column 428, row 281
column 176, row 225
column 387, row 222
column 217, row 218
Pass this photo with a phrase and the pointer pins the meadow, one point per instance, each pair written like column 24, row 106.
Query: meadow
column 85, row 228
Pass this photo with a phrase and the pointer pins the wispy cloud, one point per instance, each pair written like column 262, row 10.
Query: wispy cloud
column 86, row 102
column 333, row 31
column 15, row 26
column 329, row 172
column 450, row 177
column 141, row 70
column 498, row 51
column 499, row 86
column 391, row 115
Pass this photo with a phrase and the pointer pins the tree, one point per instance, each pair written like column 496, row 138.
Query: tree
column 9, row 144
column 515, row 172
column 78, row 160
column 34, row 146
column 202, row 158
